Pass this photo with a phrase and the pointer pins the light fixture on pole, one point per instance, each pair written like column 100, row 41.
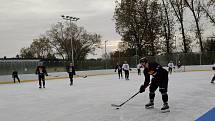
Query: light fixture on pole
column 105, row 55
column 70, row 19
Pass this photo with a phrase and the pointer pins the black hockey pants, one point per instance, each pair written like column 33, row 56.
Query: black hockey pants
column 41, row 78
column 126, row 74
column 161, row 81
column 16, row 77
column 120, row 74
column 71, row 78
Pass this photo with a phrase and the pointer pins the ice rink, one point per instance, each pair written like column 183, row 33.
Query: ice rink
column 190, row 96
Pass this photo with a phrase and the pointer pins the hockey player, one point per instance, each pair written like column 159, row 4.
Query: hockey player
column 71, row 71
column 170, row 67
column 179, row 64
column 159, row 79
column 126, row 69
column 119, row 68
column 41, row 72
column 138, row 69
column 15, row 76
column 213, row 79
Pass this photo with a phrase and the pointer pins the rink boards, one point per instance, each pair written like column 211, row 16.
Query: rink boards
column 209, row 116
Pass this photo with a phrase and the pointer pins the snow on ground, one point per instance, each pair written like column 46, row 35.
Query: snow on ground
column 90, row 99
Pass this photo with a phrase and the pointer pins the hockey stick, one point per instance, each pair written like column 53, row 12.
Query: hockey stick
column 85, row 76
column 54, row 75
column 114, row 105
column 51, row 75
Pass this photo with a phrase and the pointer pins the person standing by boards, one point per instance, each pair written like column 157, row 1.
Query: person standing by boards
column 213, row 68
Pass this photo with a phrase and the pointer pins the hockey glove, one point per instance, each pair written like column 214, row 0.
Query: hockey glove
column 142, row 89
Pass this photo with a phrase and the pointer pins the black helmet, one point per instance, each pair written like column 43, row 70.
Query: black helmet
column 143, row 60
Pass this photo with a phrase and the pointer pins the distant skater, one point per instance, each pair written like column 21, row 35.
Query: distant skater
column 119, row 68
column 139, row 69
column 213, row 79
column 179, row 64
column 71, row 71
column 41, row 72
column 15, row 76
column 126, row 69
column 170, row 67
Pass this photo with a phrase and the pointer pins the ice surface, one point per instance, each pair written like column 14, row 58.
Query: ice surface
column 90, row 99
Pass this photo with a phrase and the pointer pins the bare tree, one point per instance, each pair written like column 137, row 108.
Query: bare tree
column 168, row 26
column 178, row 7
column 83, row 42
column 138, row 22
column 195, row 8
column 26, row 53
column 209, row 9
column 40, row 48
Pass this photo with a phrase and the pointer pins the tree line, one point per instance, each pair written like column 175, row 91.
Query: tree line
column 146, row 27
column 56, row 43
column 151, row 27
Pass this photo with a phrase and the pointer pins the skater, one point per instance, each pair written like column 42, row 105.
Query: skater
column 71, row 71
column 138, row 69
column 41, row 72
column 179, row 64
column 159, row 79
column 126, row 69
column 119, row 68
column 15, row 76
column 213, row 79
column 170, row 67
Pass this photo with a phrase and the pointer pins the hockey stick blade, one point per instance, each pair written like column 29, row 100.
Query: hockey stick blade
column 114, row 105
column 54, row 75
column 84, row 76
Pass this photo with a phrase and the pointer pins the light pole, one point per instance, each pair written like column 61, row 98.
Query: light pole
column 175, row 43
column 105, row 54
column 136, row 53
column 61, row 29
column 118, row 55
column 70, row 19
column 176, row 62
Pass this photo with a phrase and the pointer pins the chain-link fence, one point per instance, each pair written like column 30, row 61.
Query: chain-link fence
column 29, row 66
column 206, row 58
column 22, row 66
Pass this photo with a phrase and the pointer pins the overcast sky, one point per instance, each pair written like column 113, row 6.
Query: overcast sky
column 23, row 20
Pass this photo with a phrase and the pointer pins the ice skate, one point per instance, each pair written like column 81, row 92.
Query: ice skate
column 165, row 108
column 149, row 105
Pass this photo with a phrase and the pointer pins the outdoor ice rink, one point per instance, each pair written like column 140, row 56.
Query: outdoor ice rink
column 190, row 96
